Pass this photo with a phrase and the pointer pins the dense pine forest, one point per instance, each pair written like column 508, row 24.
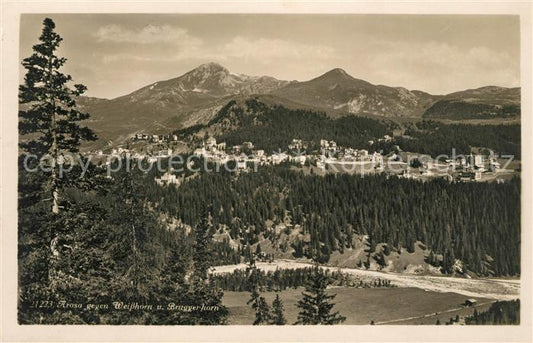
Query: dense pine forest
column 468, row 110
column 107, row 246
column 272, row 128
column 478, row 223
column 499, row 313
column 90, row 248
column 434, row 138
column 281, row 279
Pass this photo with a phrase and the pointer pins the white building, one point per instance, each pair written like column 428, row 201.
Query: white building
column 211, row 142
column 248, row 145
column 296, row 144
column 222, row 158
column 494, row 166
column 164, row 152
column 300, row 159
column 199, row 152
column 377, row 158
column 168, row 179
column 475, row 160
column 278, row 158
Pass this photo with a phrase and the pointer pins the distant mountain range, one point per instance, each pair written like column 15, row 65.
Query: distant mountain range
column 479, row 103
column 196, row 97
column 339, row 91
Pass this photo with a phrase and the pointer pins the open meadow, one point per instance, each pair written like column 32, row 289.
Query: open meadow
column 360, row 306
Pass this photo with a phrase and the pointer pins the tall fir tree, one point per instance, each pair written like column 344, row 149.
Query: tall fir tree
column 173, row 285
column 134, row 229
column 202, row 253
column 48, row 115
column 49, row 129
column 316, row 305
column 202, row 290
column 256, row 301
column 49, row 237
column 278, row 317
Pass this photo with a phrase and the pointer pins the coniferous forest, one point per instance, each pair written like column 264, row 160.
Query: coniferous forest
column 499, row 313
column 434, row 138
column 273, row 127
column 478, row 223
column 281, row 279
column 90, row 248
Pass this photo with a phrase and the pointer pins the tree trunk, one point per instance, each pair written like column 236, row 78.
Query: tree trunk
column 53, row 148
column 54, row 153
column 54, row 249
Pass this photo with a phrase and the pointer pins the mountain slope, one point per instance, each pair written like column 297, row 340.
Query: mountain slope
column 196, row 96
column 339, row 91
column 206, row 82
column 188, row 99
column 272, row 127
column 481, row 103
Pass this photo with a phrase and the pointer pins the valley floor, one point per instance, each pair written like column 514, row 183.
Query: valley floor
column 360, row 306
column 417, row 299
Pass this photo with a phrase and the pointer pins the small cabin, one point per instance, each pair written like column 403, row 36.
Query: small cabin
column 470, row 302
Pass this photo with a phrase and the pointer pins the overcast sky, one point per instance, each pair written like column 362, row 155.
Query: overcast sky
column 116, row 54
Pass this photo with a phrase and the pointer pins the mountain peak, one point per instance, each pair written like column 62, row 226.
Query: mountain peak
column 211, row 66
column 338, row 72
column 335, row 74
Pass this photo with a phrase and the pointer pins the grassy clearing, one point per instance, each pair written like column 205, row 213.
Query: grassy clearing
column 444, row 317
column 360, row 306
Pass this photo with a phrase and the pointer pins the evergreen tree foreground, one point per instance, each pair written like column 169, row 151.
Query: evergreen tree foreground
column 316, row 305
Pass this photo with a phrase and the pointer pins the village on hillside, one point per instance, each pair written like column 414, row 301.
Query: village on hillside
column 329, row 158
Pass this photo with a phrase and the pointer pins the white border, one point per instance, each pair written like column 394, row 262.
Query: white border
column 11, row 331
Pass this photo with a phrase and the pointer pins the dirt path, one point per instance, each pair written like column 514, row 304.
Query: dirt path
column 497, row 289
column 429, row 315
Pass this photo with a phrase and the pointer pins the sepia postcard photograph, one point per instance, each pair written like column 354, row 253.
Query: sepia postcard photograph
column 193, row 169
